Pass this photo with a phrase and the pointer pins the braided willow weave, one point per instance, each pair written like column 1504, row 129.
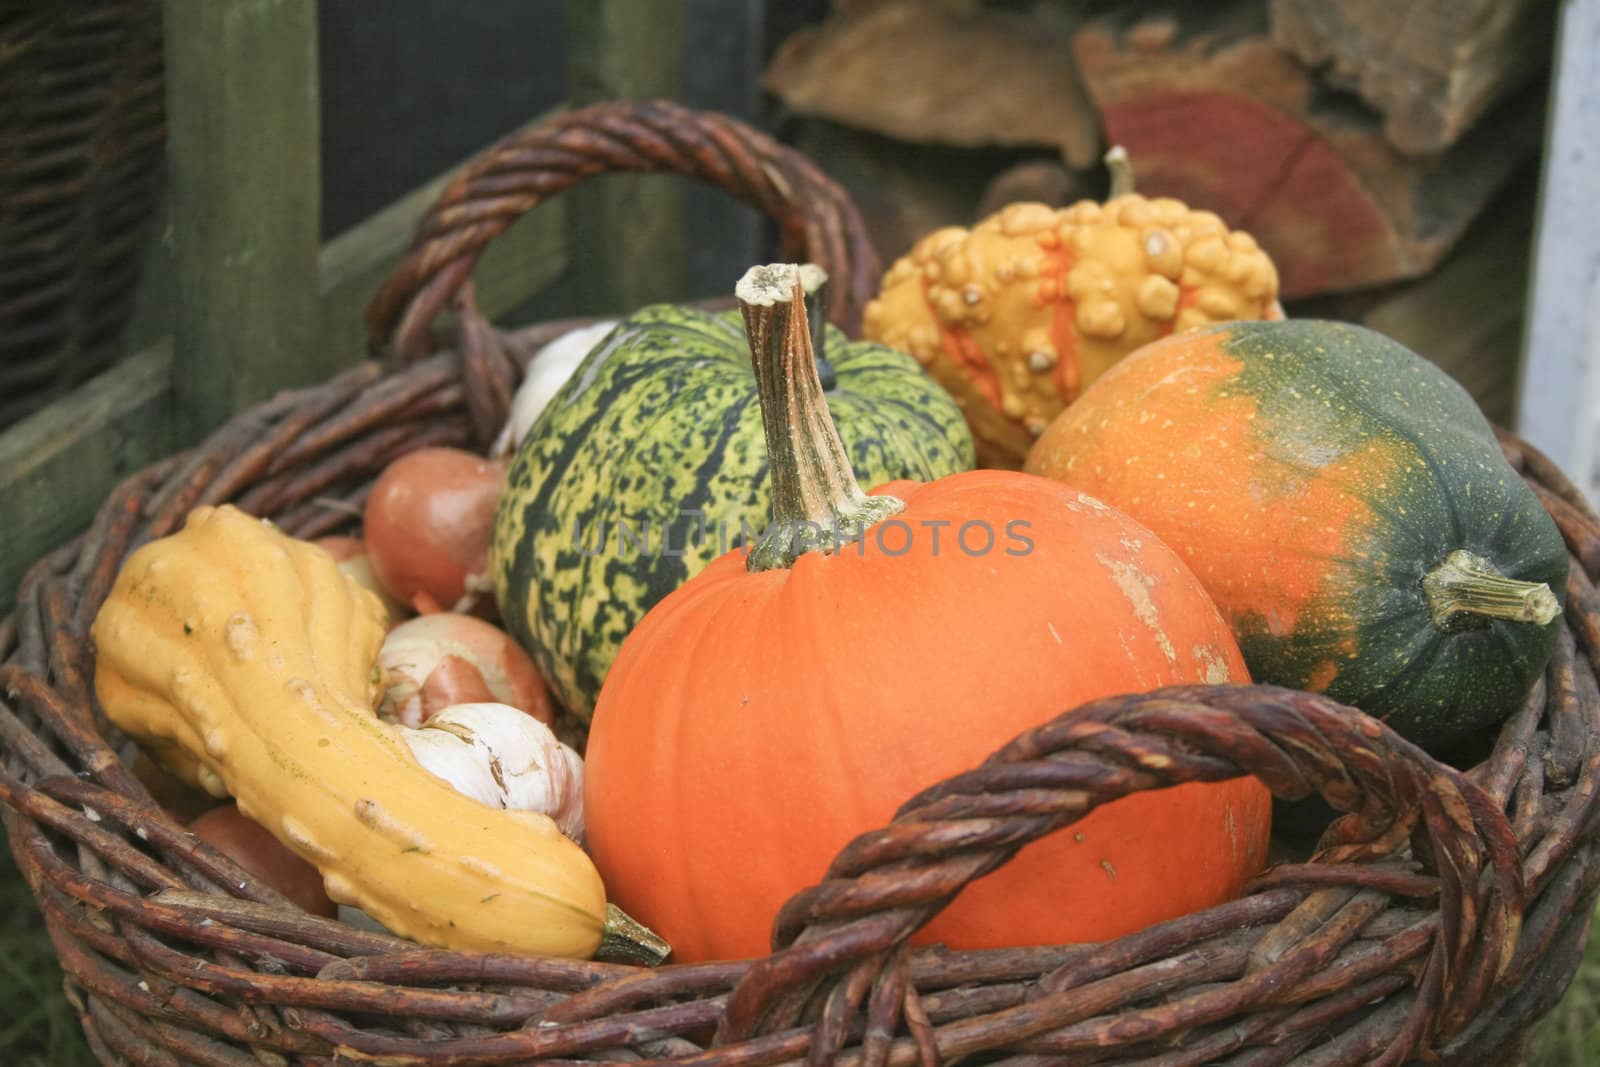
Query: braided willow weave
column 1442, row 914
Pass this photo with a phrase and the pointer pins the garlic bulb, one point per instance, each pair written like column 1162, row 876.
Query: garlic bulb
column 504, row 758
column 548, row 371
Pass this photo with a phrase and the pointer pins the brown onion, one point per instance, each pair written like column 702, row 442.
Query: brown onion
column 182, row 800
column 427, row 527
column 351, row 555
column 434, row 661
column 342, row 548
column 245, row 842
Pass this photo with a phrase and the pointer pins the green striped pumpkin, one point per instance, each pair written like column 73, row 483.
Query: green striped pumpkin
column 651, row 461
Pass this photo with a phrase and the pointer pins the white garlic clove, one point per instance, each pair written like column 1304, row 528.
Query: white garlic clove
column 504, row 758
column 549, row 370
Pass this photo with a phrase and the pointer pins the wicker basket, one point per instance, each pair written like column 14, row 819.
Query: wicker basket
column 1443, row 915
column 82, row 122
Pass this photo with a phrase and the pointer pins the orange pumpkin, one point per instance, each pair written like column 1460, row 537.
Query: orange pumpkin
column 776, row 706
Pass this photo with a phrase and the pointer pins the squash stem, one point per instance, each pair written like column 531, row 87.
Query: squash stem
column 1121, row 168
column 814, row 280
column 817, row 504
column 1468, row 584
column 625, row 939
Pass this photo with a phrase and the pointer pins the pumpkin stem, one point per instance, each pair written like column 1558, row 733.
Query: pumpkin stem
column 1121, row 168
column 1468, row 584
column 816, row 502
column 625, row 939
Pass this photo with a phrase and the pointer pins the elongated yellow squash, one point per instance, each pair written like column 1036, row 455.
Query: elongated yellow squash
column 251, row 653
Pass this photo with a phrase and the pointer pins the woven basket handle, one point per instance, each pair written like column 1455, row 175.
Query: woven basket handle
column 815, row 217
column 845, row 937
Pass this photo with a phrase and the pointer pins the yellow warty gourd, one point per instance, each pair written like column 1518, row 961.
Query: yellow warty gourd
column 252, row 654
column 1016, row 316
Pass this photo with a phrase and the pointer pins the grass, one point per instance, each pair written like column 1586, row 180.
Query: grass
column 38, row 1028
column 1570, row 1036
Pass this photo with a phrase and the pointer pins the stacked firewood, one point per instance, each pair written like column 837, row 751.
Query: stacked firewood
column 1384, row 154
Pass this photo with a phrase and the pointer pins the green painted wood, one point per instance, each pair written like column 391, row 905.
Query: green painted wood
column 626, row 233
column 243, row 162
column 57, row 465
column 254, row 303
column 152, row 306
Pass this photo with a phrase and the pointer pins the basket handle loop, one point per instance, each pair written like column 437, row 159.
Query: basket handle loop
column 815, row 217
column 837, row 939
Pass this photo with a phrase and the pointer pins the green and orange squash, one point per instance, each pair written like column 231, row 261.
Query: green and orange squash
column 1347, row 506
column 781, row 703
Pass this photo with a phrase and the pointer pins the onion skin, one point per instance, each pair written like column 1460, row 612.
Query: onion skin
column 446, row 658
column 456, row 680
column 182, row 800
column 248, row 844
column 341, row 547
column 427, row 525
column 351, row 555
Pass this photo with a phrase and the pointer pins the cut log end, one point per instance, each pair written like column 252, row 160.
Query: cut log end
column 1215, row 115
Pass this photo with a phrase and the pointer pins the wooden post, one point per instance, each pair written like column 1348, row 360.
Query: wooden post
column 245, row 168
column 625, row 234
column 57, row 465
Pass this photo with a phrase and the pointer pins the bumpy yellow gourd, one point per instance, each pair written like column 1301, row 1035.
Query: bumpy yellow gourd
column 1017, row 316
column 252, row 653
